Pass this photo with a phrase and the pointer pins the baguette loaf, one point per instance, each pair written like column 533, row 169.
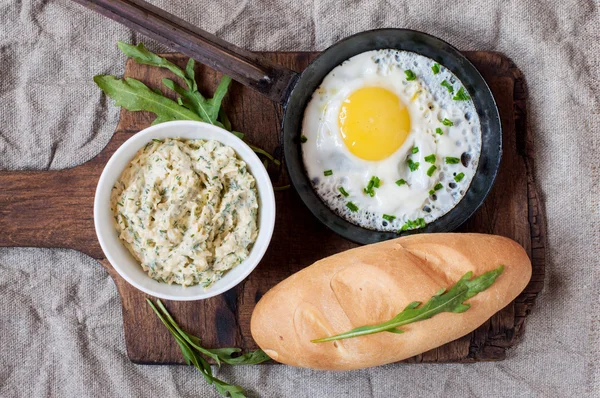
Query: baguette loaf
column 370, row 285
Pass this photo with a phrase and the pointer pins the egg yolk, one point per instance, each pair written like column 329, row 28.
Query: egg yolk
column 374, row 123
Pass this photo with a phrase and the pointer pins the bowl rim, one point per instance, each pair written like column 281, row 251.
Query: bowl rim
column 491, row 152
column 265, row 193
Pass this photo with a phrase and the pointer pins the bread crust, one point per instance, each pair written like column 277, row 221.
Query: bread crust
column 373, row 283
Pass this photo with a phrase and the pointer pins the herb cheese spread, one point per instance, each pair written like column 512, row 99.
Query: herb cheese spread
column 187, row 210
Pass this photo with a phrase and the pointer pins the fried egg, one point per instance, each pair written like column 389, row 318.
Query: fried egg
column 391, row 140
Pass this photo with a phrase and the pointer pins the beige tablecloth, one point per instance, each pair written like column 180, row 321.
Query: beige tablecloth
column 60, row 319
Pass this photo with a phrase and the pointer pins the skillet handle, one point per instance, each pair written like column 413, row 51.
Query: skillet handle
column 272, row 80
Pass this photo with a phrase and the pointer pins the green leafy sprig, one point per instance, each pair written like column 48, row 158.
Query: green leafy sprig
column 194, row 353
column 443, row 301
column 134, row 95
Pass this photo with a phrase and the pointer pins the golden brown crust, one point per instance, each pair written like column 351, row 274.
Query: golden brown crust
column 371, row 284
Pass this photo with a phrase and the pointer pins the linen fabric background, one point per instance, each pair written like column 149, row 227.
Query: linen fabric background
column 60, row 317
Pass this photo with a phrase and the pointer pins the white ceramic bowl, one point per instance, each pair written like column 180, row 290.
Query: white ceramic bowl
column 118, row 255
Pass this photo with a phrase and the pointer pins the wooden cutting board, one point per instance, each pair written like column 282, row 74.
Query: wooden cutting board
column 55, row 209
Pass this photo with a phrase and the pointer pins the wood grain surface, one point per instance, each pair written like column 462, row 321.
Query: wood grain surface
column 55, row 209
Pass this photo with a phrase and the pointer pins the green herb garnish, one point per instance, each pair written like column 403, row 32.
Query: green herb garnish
column 430, row 158
column 452, row 300
column 451, row 160
column 388, row 217
column 418, row 223
column 410, row 75
column 401, row 181
column 447, row 122
column 438, row 186
column 459, row 177
column 352, row 206
column 156, row 140
column 303, row 139
column 461, row 95
column 194, row 354
column 134, row 95
column 413, row 166
column 374, row 182
column 448, row 86
column 327, row 173
column 415, row 150
column 439, row 131
column 343, row 191
column 435, row 68
column 431, row 170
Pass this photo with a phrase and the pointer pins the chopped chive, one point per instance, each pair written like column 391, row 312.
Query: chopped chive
column 120, row 204
column 447, row 122
column 343, row 191
column 413, row 166
column 327, row 173
column 435, row 68
column 388, row 217
column 156, row 140
column 439, row 131
column 162, row 231
column 448, row 86
column 374, row 182
column 401, row 181
column 415, row 150
column 352, row 206
column 303, row 139
column 459, row 177
column 438, row 186
column 461, row 95
column 451, row 160
column 431, row 170
column 431, row 192
column 410, row 75
column 430, row 158
column 418, row 223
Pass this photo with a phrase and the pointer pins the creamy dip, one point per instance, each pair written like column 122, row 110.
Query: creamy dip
column 187, row 210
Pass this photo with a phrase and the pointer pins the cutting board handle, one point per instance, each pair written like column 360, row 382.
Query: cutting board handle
column 252, row 70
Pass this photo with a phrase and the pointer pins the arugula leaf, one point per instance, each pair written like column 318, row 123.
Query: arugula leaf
column 191, row 74
column 193, row 101
column 214, row 104
column 191, row 104
column 142, row 55
column 443, row 301
column 191, row 350
column 225, row 120
column 249, row 358
column 264, row 153
column 134, row 95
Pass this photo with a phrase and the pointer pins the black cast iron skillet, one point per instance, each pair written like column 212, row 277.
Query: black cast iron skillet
column 294, row 90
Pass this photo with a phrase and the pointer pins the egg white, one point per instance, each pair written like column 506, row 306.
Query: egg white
column 428, row 104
